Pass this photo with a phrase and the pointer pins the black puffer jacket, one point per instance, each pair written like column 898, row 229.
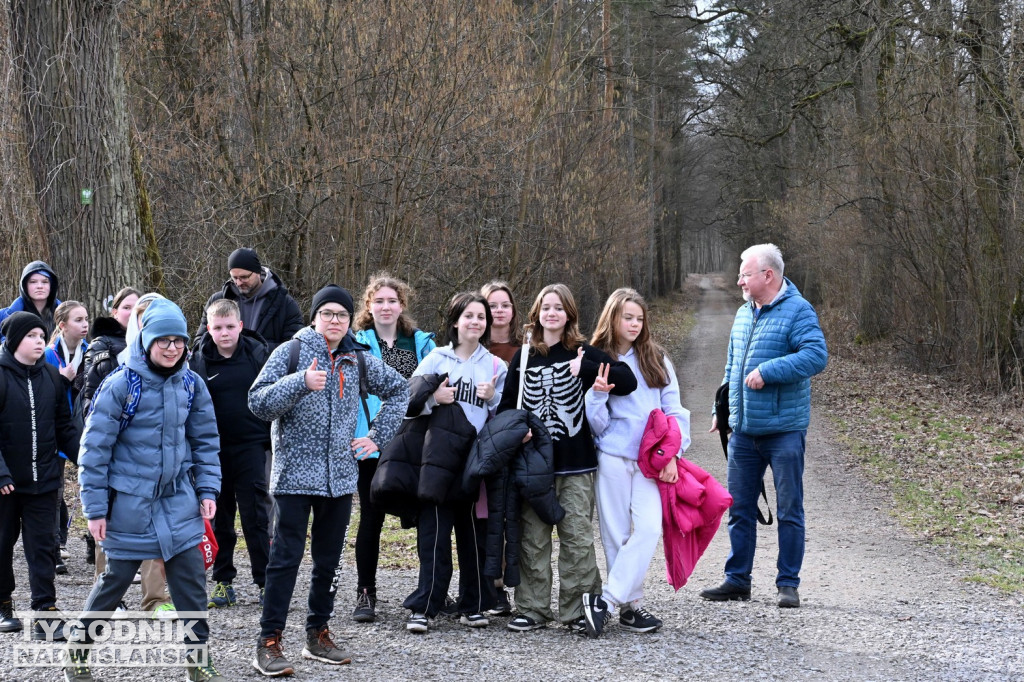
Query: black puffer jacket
column 424, row 462
column 35, row 420
column 513, row 472
column 101, row 358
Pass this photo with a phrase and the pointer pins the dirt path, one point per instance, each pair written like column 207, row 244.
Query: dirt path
column 876, row 605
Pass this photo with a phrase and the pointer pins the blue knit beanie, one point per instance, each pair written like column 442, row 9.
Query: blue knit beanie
column 162, row 318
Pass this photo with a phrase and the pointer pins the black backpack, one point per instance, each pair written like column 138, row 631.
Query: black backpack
column 364, row 383
column 722, row 417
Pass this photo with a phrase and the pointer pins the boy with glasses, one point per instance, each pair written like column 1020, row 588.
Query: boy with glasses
column 314, row 412
column 149, row 476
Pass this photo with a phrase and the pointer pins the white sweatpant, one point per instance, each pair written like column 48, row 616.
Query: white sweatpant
column 629, row 508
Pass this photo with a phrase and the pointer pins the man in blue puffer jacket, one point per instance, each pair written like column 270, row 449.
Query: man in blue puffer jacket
column 775, row 347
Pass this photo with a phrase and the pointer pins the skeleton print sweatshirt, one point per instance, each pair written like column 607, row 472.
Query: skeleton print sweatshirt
column 552, row 393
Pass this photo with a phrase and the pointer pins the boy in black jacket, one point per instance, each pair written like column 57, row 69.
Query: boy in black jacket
column 35, row 421
column 229, row 358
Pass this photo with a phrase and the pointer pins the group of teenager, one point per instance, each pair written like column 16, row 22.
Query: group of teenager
column 285, row 419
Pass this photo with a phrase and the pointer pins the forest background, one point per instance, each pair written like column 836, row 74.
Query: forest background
column 602, row 143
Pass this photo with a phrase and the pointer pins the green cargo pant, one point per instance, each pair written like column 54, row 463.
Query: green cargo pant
column 577, row 560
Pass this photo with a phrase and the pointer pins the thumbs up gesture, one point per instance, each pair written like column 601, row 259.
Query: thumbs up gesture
column 485, row 389
column 316, row 379
column 445, row 394
column 576, row 363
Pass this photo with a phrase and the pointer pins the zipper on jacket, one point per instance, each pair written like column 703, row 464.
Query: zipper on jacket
column 743, row 364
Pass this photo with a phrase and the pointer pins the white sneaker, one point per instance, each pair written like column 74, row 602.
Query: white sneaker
column 474, row 620
column 417, row 623
column 64, row 554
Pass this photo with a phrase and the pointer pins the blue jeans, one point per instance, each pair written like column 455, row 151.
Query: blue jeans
column 749, row 457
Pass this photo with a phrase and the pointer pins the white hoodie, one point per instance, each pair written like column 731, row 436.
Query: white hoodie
column 464, row 375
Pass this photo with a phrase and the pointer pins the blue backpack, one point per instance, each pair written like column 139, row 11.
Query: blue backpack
column 131, row 401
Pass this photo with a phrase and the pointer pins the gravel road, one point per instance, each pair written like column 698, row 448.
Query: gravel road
column 876, row 604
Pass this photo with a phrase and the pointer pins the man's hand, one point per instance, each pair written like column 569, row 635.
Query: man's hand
column 714, row 424
column 754, row 380
column 207, row 508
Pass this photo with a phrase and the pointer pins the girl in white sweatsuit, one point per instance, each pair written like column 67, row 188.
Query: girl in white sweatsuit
column 629, row 504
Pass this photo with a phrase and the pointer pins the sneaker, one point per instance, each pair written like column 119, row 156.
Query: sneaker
column 203, row 673
column 320, row 647
column 122, row 607
column 8, row 623
column 596, row 613
column 727, row 591
column 418, row 623
column 789, row 598
column 366, row 607
column 578, row 626
column 270, row 658
column 137, row 580
column 64, row 554
column 521, row 623
column 638, row 619
column 450, row 608
column 49, row 629
column 165, row 612
column 78, row 670
column 60, row 568
column 474, row 620
column 503, row 608
column 223, row 595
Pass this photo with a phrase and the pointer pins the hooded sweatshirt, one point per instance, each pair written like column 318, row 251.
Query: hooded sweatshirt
column 464, row 375
column 23, row 302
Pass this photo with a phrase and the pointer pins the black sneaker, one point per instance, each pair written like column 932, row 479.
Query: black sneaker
column 49, row 629
column 503, row 609
column 450, row 608
column 578, row 626
column 60, row 568
column 521, row 623
column 8, row 623
column 320, row 647
column 366, row 606
column 596, row 613
column 270, row 658
column 418, row 623
column 638, row 619
column 474, row 620
column 727, row 591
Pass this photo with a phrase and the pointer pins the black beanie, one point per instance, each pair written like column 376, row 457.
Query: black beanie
column 16, row 327
column 245, row 259
column 331, row 293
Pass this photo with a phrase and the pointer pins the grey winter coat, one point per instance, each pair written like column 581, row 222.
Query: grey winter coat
column 311, row 431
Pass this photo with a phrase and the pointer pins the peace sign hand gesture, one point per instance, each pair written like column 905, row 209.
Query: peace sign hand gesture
column 601, row 382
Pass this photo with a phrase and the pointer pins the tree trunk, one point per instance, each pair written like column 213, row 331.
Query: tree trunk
column 76, row 113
